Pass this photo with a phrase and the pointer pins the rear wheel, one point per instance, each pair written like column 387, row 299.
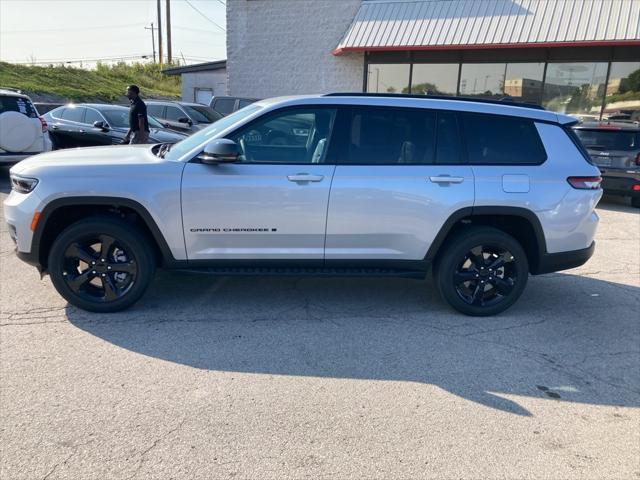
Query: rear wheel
column 101, row 264
column 482, row 272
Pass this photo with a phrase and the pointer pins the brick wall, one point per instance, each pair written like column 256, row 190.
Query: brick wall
column 283, row 47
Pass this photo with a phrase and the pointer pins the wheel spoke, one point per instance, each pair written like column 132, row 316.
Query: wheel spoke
column 78, row 252
column 465, row 276
column 477, row 260
column 106, row 244
column 500, row 261
column 476, row 298
column 79, row 280
column 127, row 267
column 503, row 285
column 110, row 290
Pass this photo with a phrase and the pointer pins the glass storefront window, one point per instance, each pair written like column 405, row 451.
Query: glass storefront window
column 623, row 92
column 575, row 88
column 523, row 82
column 434, row 79
column 388, row 78
column 482, row 79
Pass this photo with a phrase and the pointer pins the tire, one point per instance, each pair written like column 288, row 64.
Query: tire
column 635, row 202
column 101, row 264
column 464, row 276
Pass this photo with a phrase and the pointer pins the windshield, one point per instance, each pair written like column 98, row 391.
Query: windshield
column 609, row 139
column 202, row 114
column 119, row 118
column 191, row 142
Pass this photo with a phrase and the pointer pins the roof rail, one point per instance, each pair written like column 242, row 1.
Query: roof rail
column 506, row 101
column 11, row 89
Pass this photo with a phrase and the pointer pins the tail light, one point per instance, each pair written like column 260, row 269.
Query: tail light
column 638, row 159
column 636, row 187
column 585, row 183
column 45, row 127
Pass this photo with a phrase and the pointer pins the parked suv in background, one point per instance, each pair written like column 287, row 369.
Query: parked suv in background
column 615, row 149
column 225, row 105
column 480, row 192
column 182, row 116
column 22, row 131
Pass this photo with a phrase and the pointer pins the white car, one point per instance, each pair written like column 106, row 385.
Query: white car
column 22, row 131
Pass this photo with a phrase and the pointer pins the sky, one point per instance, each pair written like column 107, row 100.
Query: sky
column 55, row 31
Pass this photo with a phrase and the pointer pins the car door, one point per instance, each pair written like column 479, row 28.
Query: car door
column 271, row 205
column 94, row 136
column 156, row 111
column 69, row 128
column 399, row 179
column 172, row 116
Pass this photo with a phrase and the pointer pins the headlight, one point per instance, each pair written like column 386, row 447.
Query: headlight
column 23, row 184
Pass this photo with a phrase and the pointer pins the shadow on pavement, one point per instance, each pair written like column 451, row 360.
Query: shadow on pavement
column 569, row 338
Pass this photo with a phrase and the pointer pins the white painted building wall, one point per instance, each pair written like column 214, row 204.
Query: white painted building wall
column 216, row 80
column 283, row 47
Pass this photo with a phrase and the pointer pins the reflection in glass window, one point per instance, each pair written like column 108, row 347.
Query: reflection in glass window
column 482, row 79
column 388, row 78
column 523, row 82
column 575, row 88
column 434, row 79
column 623, row 92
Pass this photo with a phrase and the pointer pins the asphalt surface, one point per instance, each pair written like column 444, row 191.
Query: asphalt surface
column 326, row 378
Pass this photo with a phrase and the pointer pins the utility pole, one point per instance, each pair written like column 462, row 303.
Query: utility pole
column 159, row 32
column 169, row 59
column 153, row 40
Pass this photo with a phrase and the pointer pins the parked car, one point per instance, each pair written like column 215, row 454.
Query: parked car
column 225, row 105
column 615, row 148
column 23, row 132
column 182, row 116
column 90, row 125
column 46, row 107
column 482, row 193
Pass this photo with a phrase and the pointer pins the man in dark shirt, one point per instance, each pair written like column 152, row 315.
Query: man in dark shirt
column 138, row 121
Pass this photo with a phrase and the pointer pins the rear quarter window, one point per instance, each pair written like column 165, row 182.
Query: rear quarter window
column 18, row 104
column 500, row 140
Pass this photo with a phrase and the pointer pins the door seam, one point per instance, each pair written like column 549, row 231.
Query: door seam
column 326, row 218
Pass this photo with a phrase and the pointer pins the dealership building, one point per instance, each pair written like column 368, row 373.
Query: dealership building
column 574, row 56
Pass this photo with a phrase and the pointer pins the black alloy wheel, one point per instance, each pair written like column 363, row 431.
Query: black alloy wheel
column 482, row 272
column 101, row 264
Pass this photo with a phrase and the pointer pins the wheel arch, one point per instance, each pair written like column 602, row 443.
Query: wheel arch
column 521, row 223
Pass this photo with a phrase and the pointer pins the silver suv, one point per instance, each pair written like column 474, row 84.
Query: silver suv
column 480, row 193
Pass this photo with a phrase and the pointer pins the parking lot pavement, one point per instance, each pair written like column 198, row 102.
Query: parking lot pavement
column 326, row 378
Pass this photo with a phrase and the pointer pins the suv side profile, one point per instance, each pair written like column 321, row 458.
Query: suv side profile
column 480, row 193
column 23, row 132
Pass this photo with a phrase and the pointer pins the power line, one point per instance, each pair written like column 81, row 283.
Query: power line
column 204, row 16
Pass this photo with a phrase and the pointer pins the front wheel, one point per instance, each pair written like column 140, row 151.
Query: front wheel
column 101, row 264
column 482, row 272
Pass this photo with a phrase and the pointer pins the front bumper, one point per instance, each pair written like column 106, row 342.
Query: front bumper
column 554, row 262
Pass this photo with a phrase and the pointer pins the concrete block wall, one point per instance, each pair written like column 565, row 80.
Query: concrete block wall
column 283, row 47
column 215, row 80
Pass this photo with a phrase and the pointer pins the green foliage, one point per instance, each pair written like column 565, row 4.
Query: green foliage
column 106, row 82
column 631, row 83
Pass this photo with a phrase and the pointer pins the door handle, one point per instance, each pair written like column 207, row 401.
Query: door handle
column 446, row 179
column 54, row 127
column 81, row 131
column 305, row 177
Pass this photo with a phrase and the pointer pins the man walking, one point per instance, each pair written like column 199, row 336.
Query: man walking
column 138, row 122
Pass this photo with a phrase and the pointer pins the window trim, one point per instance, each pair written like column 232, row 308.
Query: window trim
column 272, row 113
column 466, row 149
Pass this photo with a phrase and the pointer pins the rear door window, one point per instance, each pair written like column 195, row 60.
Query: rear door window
column 609, row 139
column 18, row 104
column 385, row 136
column 73, row 114
column 501, row 140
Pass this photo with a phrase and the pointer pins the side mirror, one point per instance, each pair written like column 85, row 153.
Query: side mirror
column 184, row 120
column 101, row 125
column 219, row 151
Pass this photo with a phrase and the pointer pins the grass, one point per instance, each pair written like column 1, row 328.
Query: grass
column 105, row 83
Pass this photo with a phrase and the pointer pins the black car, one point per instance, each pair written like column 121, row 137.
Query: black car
column 615, row 149
column 182, row 116
column 225, row 105
column 91, row 125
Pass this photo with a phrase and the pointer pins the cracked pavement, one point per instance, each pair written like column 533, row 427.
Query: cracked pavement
column 326, row 378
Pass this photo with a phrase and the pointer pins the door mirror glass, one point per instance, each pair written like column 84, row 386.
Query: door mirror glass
column 184, row 120
column 101, row 125
column 219, row 151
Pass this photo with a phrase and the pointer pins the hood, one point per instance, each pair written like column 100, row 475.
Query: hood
column 89, row 157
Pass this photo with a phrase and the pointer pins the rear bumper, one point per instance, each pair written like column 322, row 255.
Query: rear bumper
column 554, row 262
column 621, row 185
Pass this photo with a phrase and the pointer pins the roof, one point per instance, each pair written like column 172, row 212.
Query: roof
column 441, row 103
column 462, row 24
column 13, row 92
column 197, row 67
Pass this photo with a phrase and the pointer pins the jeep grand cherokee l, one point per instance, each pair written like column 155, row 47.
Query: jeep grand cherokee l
column 480, row 193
